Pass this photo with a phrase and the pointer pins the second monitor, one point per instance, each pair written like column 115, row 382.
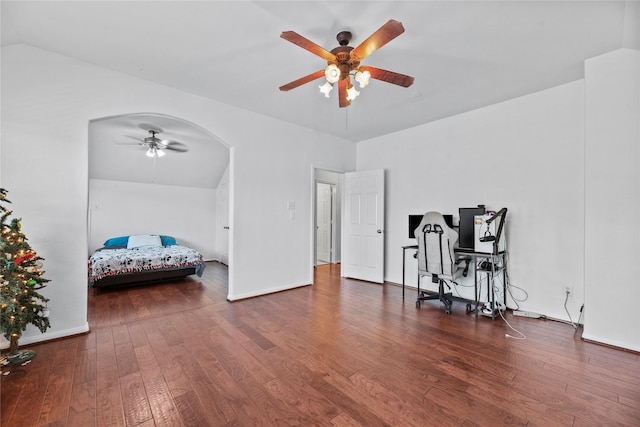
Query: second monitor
column 415, row 220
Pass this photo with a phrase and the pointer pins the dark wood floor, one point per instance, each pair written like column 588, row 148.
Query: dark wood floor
column 341, row 352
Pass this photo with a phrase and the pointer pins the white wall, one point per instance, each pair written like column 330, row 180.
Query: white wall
column 612, row 266
column 127, row 208
column 48, row 101
column 525, row 154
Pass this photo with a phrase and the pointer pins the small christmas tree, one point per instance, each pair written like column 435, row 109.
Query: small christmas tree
column 20, row 279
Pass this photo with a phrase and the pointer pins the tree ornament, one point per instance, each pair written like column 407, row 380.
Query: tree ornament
column 24, row 257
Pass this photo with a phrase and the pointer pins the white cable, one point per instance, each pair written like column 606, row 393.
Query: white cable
column 522, row 336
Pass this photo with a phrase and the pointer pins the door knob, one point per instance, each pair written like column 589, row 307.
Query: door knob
column 379, row 231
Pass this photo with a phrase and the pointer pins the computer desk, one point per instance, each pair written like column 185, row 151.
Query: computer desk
column 497, row 261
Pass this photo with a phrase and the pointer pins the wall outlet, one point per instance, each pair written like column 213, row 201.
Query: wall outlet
column 568, row 290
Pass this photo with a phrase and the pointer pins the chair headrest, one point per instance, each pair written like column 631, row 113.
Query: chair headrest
column 435, row 219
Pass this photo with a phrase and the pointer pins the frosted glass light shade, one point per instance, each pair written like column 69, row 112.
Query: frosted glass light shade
column 332, row 73
column 363, row 77
column 352, row 93
column 326, row 88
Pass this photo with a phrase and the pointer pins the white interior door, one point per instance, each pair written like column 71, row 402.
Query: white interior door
column 323, row 222
column 363, row 250
column 223, row 222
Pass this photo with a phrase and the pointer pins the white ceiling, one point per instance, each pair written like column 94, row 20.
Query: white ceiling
column 463, row 54
column 116, row 155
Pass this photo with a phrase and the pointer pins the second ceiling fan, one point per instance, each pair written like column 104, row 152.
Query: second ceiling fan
column 155, row 146
column 344, row 60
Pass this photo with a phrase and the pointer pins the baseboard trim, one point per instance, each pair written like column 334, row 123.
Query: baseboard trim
column 266, row 292
column 48, row 336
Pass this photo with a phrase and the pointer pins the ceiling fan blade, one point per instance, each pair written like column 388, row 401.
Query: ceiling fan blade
column 379, row 38
column 302, row 80
column 135, row 141
column 307, row 44
column 342, row 93
column 175, row 146
column 389, row 76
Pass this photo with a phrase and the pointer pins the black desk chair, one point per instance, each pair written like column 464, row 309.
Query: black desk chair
column 436, row 258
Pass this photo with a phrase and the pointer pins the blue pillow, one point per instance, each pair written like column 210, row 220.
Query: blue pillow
column 117, row 241
column 167, row 240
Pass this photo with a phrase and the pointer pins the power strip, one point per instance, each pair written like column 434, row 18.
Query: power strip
column 526, row 314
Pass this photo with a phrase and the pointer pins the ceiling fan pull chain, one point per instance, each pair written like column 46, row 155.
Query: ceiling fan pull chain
column 346, row 119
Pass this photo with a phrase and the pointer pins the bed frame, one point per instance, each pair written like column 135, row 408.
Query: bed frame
column 144, row 277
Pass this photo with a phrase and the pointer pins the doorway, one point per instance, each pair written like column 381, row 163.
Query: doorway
column 324, row 222
column 185, row 194
column 327, row 214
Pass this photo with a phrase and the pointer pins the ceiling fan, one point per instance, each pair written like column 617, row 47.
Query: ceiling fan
column 155, row 146
column 344, row 60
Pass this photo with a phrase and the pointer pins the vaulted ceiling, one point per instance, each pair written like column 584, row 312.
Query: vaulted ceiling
column 463, row 54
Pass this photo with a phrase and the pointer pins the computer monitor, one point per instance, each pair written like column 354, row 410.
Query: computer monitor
column 415, row 220
column 466, row 227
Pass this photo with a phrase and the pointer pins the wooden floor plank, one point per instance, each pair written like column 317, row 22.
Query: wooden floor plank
column 86, row 366
column 82, row 405
column 106, row 361
column 55, row 405
column 341, row 352
column 134, row 399
column 126, row 359
column 161, row 402
column 109, row 411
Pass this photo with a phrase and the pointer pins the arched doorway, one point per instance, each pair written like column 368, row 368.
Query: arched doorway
column 176, row 194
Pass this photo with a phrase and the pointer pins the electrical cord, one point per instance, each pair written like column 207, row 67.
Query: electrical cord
column 520, row 336
column 509, row 286
column 566, row 298
column 579, row 317
column 513, row 298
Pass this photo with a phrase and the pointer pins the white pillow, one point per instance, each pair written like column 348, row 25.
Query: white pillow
column 143, row 240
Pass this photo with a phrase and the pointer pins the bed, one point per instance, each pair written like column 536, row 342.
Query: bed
column 139, row 259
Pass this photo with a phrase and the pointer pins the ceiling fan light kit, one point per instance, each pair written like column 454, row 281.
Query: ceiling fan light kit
column 344, row 62
column 154, row 152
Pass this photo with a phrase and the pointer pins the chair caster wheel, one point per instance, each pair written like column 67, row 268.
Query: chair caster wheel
column 469, row 308
column 418, row 303
column 447, row 311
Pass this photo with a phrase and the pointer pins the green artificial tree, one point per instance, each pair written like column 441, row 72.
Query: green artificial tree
column 20, row 280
